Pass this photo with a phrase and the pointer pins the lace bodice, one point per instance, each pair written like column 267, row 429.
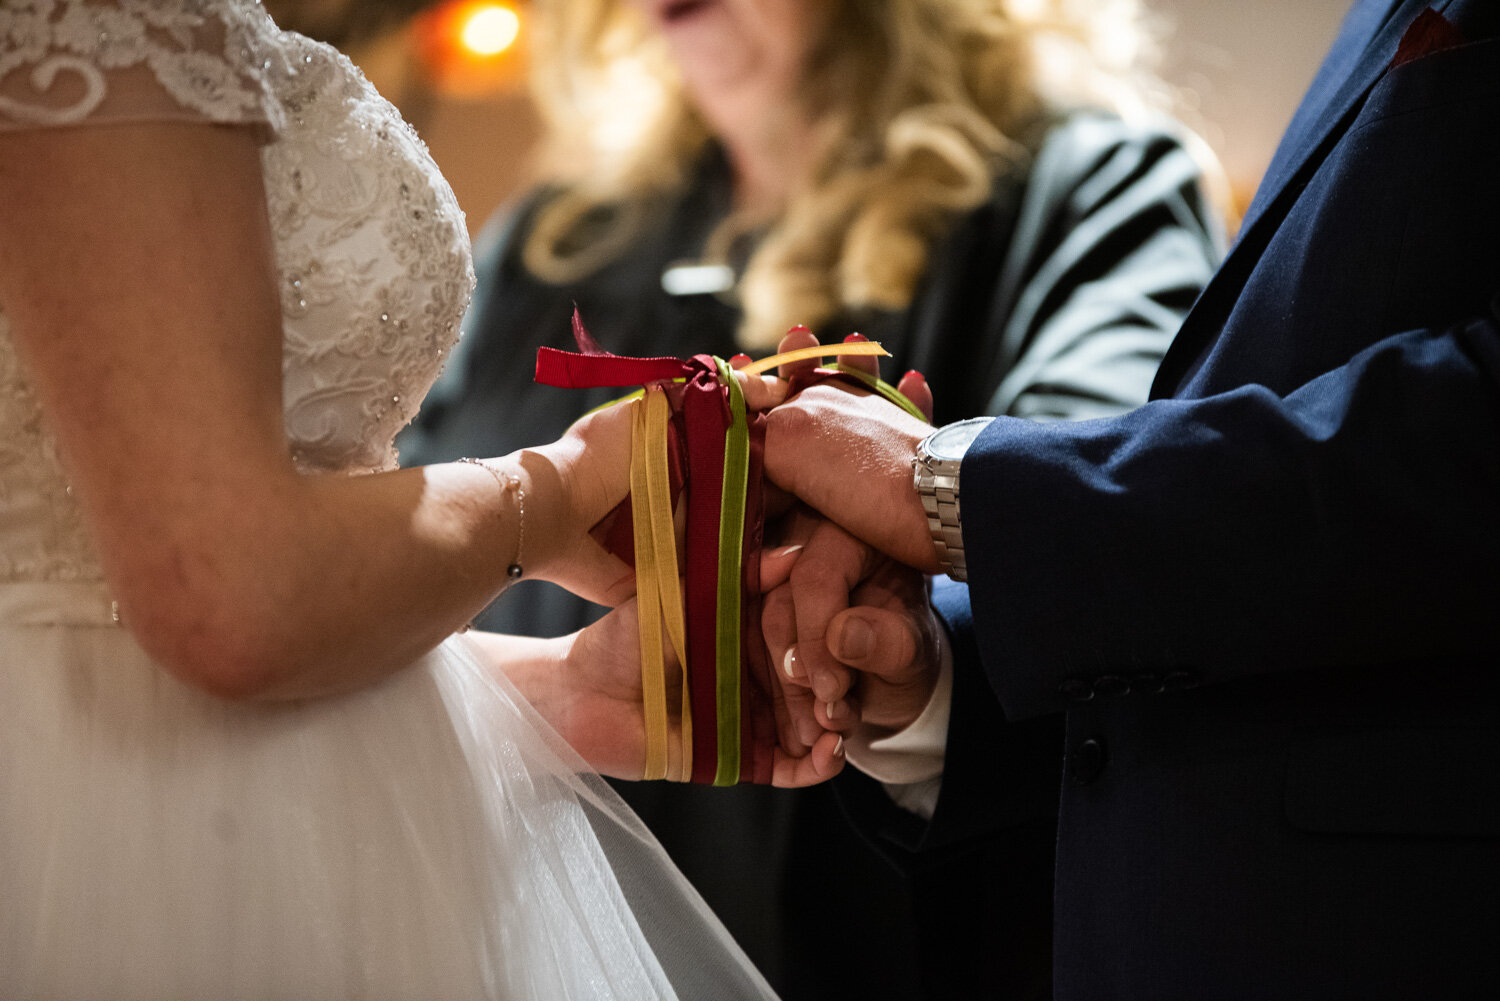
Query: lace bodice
column 371, row 247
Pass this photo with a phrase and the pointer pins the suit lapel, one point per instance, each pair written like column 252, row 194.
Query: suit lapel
column 1364, row 49
column 1347, row 72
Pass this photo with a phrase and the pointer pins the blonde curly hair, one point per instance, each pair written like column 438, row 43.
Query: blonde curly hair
column 918, row 106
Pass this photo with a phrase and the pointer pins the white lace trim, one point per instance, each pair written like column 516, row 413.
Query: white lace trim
column 211, row 59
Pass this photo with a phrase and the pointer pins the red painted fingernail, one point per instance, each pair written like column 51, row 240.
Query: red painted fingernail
column 798, row 327
column 739, row 359
column 855, row 337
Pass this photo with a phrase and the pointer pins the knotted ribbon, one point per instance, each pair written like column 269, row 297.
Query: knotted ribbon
column 695, row 446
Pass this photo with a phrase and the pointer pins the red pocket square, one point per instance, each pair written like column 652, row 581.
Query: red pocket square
column 1430, row 32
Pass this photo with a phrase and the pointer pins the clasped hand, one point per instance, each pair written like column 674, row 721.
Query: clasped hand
column 845, row 612
column 845, row 615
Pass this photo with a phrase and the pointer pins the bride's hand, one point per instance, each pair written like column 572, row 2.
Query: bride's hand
column 580, row 479
column 591, row 694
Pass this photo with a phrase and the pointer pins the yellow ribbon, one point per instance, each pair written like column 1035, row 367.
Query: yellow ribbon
column 658, row 585
column 648, row 599
column 815, row 351
column 664, row 546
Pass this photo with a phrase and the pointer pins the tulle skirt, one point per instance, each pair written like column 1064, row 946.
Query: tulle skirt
column 429, row 837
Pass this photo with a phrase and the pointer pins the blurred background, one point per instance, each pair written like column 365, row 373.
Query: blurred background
column 456, row 69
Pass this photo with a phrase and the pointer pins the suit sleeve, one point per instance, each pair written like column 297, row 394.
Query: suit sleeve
column 1197, row 541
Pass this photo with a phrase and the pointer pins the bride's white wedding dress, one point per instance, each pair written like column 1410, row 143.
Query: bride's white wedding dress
column 426, row 838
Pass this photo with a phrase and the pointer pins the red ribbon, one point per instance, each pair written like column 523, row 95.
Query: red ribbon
column 705, row 416
column 592, row 366
column 700, row 416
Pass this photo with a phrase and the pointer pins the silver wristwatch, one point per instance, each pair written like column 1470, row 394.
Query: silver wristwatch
column 935, row 475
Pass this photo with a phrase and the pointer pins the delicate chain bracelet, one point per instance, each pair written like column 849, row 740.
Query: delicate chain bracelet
column 508, row 483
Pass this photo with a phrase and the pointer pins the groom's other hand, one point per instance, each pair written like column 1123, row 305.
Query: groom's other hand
column 855, row 629
column 890, row 641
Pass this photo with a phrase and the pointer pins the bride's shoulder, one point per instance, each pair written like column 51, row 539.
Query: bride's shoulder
column 68, row 62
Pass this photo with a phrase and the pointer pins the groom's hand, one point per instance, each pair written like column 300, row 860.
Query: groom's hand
column 848, row 454
column 852, row 630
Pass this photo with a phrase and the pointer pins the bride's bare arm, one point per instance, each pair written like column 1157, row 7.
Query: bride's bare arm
column 137, row 276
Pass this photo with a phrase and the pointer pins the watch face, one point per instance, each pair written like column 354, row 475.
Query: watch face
column 952, row 440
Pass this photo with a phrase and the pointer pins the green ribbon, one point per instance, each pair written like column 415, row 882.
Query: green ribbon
column 880, row 386
column 731, row 551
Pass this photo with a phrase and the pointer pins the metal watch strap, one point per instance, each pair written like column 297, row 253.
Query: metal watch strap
column 939, row 492
column 935, row 470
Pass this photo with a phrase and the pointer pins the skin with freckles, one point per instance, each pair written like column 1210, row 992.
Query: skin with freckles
column 829, row 436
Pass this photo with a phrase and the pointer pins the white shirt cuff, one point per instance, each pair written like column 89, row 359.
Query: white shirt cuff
column 909, row 762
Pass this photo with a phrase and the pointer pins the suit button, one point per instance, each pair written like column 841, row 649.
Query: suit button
column 1179, row 681
column 1145, row 684
column 1085, row 764
column 1076, row 690
column 1111, row 686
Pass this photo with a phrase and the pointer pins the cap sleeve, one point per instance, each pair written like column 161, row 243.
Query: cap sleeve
column 74, row 62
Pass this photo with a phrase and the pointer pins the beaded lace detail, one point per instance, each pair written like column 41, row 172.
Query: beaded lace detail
column 371, row 246
column 56, row 57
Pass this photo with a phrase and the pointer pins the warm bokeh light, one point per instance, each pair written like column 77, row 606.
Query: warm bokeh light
column 489, row 29
column 469, row 46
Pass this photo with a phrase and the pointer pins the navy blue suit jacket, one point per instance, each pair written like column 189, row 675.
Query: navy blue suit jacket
column 1266, row 600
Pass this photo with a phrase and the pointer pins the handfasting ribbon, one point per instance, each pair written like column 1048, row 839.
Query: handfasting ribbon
column 731, row 548
column 592, row 366
column 848, row 348
column 880, row 387
column 569, row 370
column 728, row 727
column 705, row 419
column 648, row 602
column 664, row 544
